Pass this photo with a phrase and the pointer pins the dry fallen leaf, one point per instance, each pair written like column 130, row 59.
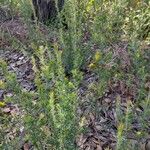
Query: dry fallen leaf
column 6, row 110
column 81, row 140
column 26, row 146
column 147, row 145
column 98, row 147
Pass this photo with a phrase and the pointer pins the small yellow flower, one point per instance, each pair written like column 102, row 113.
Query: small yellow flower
column 92, row 66
column 2, row 104
column 89, row 5
column 138, row 133
column 97, row 56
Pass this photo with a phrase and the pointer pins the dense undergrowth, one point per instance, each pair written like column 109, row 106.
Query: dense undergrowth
column 109, row 39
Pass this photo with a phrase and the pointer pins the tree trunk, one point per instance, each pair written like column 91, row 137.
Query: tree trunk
column 46, row 9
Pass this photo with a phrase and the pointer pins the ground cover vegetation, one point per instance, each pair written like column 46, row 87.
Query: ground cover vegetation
column 75, row 74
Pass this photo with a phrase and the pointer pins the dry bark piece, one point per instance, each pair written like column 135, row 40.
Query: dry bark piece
column 147, row 145
column 26, row 146
column 98, row 147
column 6, row 110
column 108, row 100
column 46, row 9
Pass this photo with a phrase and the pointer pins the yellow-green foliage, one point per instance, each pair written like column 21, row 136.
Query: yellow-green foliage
column 49, row 114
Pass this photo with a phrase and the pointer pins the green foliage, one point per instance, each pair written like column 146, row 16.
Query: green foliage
column 72, row 55
column 49, row 114
column 137, row 23
column 56, row 103
column 107, row 22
